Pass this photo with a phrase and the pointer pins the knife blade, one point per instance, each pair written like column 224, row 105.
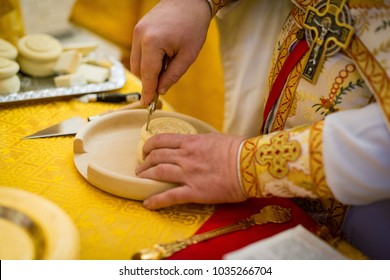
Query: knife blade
column 153, row 105
column 152, row 108
column 73, row 125
column 66, row 127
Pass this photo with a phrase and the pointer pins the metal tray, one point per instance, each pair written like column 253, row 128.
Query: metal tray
column 42, row 88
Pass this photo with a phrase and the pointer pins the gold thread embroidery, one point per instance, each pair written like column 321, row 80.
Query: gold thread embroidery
column 316, row 161
column 288, row 96
column 248, row 168
column 374, row 74
column 303, row 4
column 278, row 153
column 282, row 55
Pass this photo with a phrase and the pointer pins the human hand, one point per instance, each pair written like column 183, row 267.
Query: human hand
column 204, row 166
column 173, row 28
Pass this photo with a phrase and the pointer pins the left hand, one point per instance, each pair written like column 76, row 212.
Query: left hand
column 204, row 166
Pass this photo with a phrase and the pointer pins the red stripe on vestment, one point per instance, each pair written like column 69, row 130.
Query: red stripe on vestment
column 296, row 54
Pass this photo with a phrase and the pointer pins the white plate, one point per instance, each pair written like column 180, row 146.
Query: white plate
column 105, row 152
column 32, row 227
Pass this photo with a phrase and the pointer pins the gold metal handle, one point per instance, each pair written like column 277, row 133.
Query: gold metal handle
column 268, row 214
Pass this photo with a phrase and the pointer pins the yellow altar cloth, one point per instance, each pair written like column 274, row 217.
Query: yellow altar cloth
column 110, row 227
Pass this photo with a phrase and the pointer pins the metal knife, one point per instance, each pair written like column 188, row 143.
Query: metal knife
column 152, row 108
column 153, row 105
column 73, row 125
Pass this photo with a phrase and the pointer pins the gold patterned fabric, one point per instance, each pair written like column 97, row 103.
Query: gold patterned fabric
column 110, row 227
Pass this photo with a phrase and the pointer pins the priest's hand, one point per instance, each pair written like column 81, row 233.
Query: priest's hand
column 173, row 28
column 204, row 166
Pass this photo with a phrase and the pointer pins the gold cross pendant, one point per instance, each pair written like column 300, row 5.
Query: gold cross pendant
column 328, row 28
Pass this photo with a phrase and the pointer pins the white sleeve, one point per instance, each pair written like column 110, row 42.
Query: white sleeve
column 356, row 149
column 248, row 33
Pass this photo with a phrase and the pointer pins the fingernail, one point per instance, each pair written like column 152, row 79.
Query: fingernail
column 163, row 90
column 146, row 203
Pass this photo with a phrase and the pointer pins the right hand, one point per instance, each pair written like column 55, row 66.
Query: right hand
column 174, row 28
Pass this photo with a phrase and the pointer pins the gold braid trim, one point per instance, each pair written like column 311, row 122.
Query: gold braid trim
column 286, row 100
column 374, row 74
column 316, row 161
column 248, row 167
column 282, row 55
column 303, row 4
column 216, row 5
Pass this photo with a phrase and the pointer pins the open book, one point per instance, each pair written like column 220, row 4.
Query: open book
column 294, row 244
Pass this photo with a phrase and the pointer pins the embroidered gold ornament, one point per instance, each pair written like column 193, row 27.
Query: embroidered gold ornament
column 278, row 153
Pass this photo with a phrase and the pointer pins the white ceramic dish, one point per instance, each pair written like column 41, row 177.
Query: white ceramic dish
column 105, row 152
column 32, row 227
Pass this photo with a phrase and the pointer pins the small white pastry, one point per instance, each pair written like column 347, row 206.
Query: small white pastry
column 163, row 125
column 7, row 50
column 93, row 73
column 84, row 48
column 38, row 54
column 68, row 62
column 9, row 81
column 70, row 80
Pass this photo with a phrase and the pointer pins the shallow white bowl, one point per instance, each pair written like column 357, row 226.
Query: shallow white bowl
column 105, row 152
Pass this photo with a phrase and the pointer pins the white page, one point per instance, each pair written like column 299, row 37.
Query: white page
column 294, row 244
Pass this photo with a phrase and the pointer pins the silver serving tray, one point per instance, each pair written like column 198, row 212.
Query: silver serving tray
column 42, row 88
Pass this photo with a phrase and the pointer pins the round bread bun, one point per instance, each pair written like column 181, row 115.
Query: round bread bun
column 163, row 125
column 39, row 47
column 7, row 50
column 8, row 68
column 38, row 53
column 9, row 85
column 9, row 81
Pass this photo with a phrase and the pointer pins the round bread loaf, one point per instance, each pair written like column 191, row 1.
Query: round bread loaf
column 38, row 54
column 7, row 50
column 9, row 81
column 163, row 125
column 8, row 68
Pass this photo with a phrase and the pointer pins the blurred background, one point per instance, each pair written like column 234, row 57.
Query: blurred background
column 110, row 23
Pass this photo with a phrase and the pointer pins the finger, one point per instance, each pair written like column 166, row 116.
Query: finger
column 151, row 66
column 178, row 195
column 156, row 157
column 164, row 140
column 164, row 172
column 135, row 57
column 177, row 66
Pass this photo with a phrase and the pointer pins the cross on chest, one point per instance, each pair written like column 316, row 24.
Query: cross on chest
column 330, row 34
